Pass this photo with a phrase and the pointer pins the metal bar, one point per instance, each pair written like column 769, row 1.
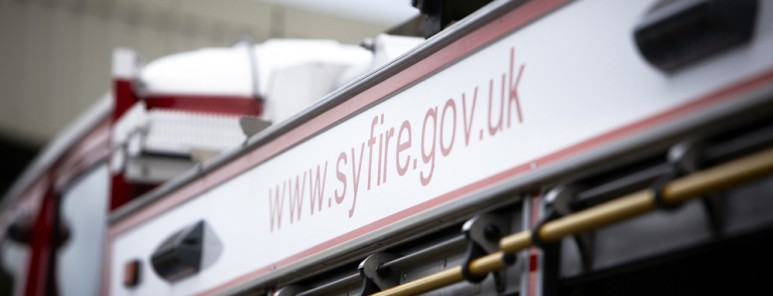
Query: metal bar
column 427, row 283
column 714, row 153
column 679, row 190
column 613, row 189
column 747, row 141
column 445, row 247
column 327, row 289
column 457, row 243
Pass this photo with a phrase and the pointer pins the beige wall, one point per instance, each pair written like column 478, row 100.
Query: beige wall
column 55, row 54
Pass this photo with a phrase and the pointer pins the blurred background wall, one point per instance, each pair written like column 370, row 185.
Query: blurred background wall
column 55, row 54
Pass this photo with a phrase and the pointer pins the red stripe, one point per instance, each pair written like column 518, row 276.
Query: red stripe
column 119, row 191
column 123, row 97
column 718, row 96
column 200, row 185
column 104, row 283
column 533, row 252
column 226, row 105
column 41, row 247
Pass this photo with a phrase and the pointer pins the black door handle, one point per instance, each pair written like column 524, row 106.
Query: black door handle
column 181, row 254
column 675, row 33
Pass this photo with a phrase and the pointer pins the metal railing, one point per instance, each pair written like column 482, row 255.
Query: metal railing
column 674, row 192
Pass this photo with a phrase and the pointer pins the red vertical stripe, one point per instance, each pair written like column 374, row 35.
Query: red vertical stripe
column 123, row 97
column 41, row 248
column 533, row 252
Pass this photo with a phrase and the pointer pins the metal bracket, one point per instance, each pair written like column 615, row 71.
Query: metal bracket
column 685, row 156
column 682, row 158
column 561, row 199
column 375, row 276
column 551, row 214
column 483, row 233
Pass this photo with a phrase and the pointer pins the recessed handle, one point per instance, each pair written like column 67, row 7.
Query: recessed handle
column 676, row 33
column 186, row 252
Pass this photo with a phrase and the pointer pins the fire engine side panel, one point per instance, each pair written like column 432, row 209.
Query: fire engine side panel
column 84, row 204
column 560, row 87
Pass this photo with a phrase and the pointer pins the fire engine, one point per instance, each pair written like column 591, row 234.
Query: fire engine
column 536, row 147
